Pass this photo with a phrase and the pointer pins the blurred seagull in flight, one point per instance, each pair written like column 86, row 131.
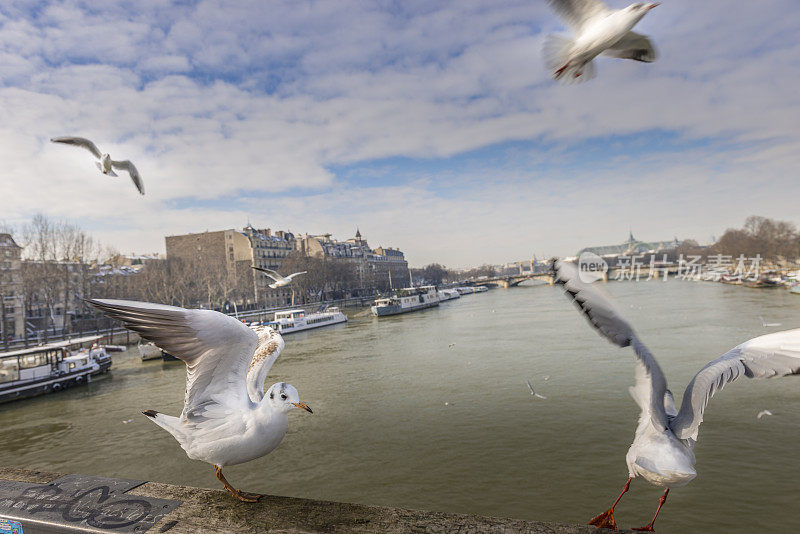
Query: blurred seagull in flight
column 597, row 30
column 532, row 391
column 662, row 449
column 227, row 418
column 104, row 161
column 762, row 413
column 766, row 324
column 280, row 281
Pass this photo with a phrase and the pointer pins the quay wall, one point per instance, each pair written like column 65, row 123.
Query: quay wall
column 206, row 510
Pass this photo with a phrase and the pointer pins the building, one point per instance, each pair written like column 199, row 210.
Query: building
column 12, row 317
column 236, row 253
column 381, row 269
column 632, row 246
column 268, row 250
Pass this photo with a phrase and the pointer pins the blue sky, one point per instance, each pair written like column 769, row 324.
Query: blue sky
column 432, row 126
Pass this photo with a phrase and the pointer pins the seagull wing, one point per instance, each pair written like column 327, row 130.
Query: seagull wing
column 651, row 385
column 576, row 13
column 633, row 46
column 81, row 142
column 766, row 356
column 224, row 358
column 296, row 274
column 269, row 272
column 135, row 176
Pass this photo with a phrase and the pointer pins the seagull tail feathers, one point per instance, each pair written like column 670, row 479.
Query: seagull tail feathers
column 167, row 422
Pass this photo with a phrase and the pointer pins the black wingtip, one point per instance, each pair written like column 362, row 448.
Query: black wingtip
column 150, row 413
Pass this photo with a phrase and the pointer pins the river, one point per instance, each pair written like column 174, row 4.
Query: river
column 401, row 418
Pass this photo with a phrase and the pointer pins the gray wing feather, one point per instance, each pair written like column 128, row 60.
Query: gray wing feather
column 127, row 165
column 604, row 316
column 217, row 349
column 766, row 356
column 269, row 272
column 81, row 142
column 576, row 13
column 633, row 46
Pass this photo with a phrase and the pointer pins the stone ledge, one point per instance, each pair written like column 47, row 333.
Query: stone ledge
column 206, row 510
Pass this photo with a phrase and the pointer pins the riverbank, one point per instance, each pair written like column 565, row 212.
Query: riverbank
column 205, row 510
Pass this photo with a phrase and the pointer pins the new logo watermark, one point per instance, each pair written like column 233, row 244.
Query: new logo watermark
column 591, row 267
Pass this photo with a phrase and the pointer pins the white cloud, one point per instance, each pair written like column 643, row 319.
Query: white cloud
column 241, row 100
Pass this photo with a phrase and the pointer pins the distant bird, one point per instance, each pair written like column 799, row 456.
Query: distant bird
column 766, row 325
column 280, row 281
column 532, row 391
column 227, row 418
column 762, row 413
column 104, row 163
column 451, row 345
column 126, row 421
column 662, row 449
column 546, row 377
column 598, row 30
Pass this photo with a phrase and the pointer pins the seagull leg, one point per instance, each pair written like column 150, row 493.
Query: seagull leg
column 649, row 527
column 560, row 71
column 242, row 496
column 606, row 519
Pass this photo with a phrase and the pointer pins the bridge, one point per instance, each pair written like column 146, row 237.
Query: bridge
column 511, row 280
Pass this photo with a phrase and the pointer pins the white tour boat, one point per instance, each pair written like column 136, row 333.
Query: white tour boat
column 52, row 367
column 448, row 294
column 286, row 322
column 406, row 300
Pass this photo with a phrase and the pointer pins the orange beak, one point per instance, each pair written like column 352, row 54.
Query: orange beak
column 651, row 6
column 303, row 406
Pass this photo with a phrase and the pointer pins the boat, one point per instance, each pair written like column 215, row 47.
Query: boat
column 149, row 351
column 406, row 300
column 288, row 321
column 51, row 367
column 465, row 290
column 448, row 294
column 480, row 289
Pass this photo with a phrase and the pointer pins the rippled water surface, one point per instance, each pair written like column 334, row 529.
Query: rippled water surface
column 382, row 432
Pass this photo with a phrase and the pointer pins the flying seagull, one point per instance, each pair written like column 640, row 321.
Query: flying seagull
column 104, row 161
column 762, row 413
column 662, row 449
column 597, row 30
column 227, row 419
column 532, row 391
column 766, row 324
column 280, row 281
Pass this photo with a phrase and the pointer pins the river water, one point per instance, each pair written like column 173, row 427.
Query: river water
column 402, row 419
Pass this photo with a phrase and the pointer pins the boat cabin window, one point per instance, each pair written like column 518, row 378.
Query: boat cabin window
column 36, row 359
column 9, row 370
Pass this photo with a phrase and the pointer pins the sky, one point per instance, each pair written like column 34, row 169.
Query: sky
column 432, row 126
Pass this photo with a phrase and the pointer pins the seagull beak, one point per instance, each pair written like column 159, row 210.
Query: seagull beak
column 303, row 406
column 651, row 6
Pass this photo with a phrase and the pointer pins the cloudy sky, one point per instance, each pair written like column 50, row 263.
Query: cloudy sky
column 431, row 125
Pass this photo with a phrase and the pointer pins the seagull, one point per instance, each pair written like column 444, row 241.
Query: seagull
column 598, row 30
column 765, row 324
column 451, row 345
column 662, row 449
column 280, row 281
column 227, row 418
column 532, row 391
column 104, row 163
column 762, row 413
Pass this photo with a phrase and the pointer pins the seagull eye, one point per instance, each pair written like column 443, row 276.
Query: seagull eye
column 283, row 396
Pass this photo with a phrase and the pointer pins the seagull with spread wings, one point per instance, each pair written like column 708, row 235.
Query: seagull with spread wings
column 104, row 161
column 662, row 449
column 598, row 30
column 227, row 418
column 280, row 281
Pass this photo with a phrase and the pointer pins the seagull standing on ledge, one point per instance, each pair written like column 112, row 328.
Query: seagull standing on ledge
column 662, row 449
column 280, row 281
column 104, row 161
column 227, row 418
column 598, row 30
